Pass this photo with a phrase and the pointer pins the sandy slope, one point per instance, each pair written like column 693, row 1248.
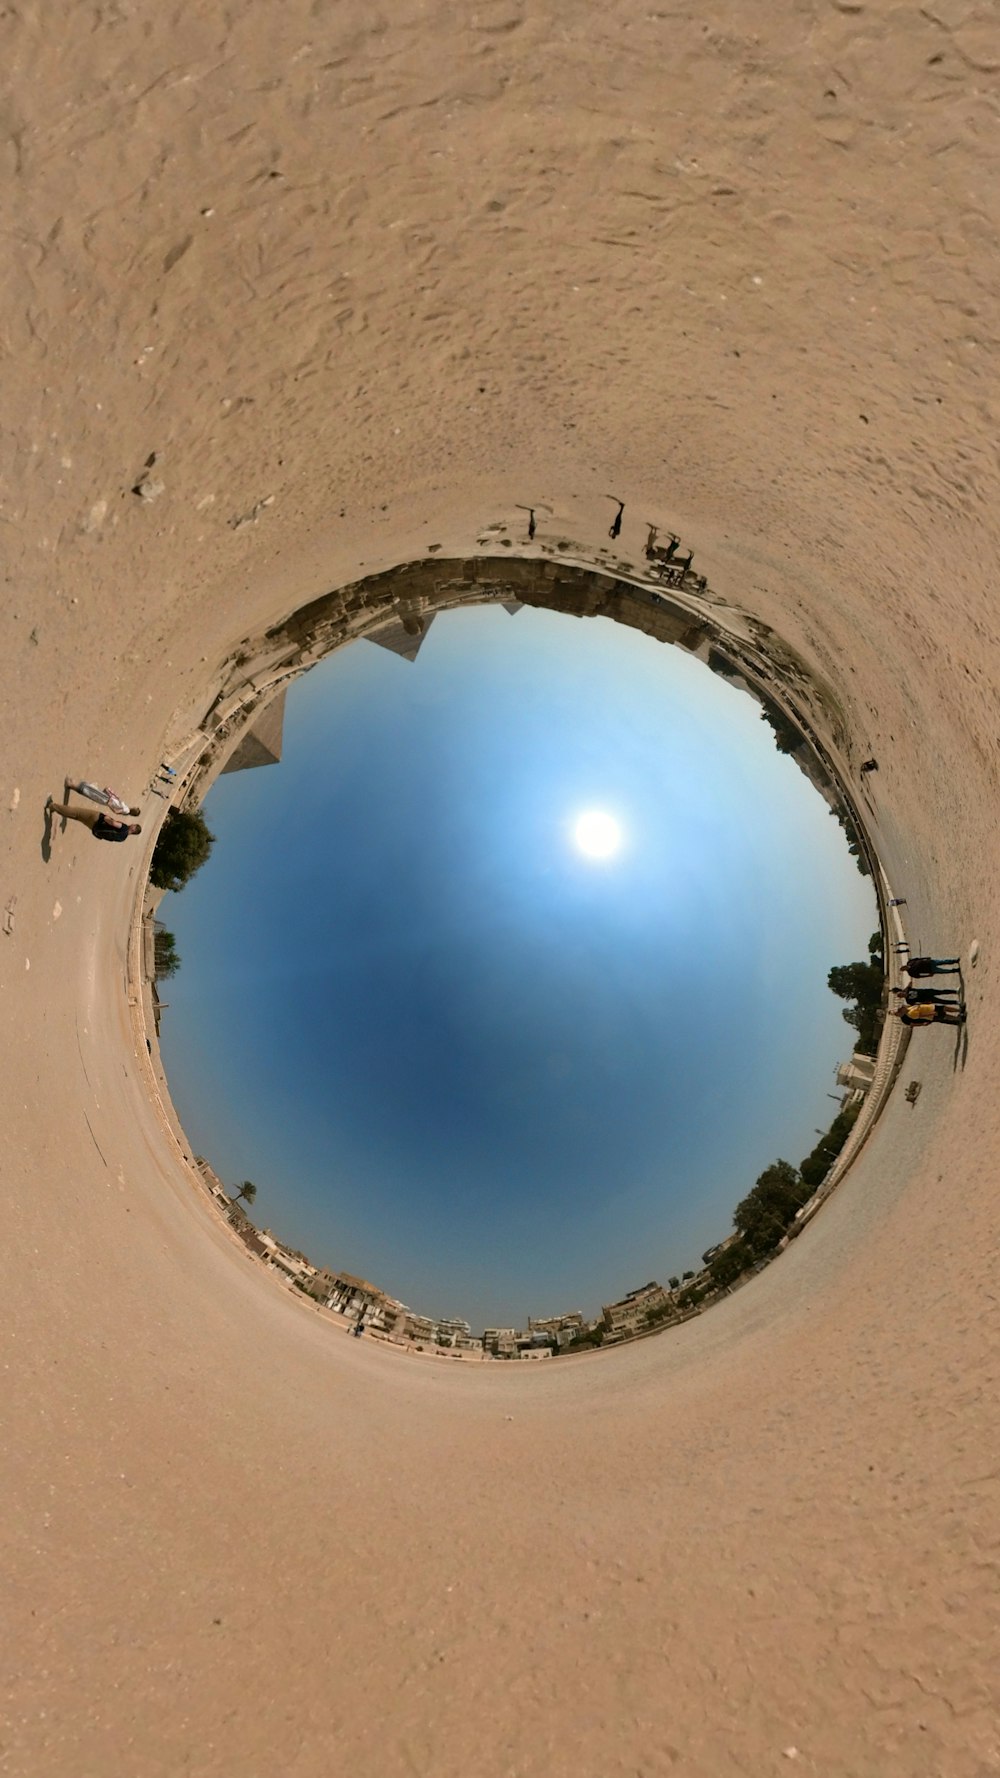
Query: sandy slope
column 402, row 270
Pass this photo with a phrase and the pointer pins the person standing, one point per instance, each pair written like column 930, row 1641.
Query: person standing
column 933, row 966
column 926, row 1014
column 102, row 826
column 951, row 1014
column 927, row 996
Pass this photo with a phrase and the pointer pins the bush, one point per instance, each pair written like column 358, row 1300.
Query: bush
column 182, row 848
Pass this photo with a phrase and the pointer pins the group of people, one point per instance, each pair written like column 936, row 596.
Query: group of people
column 930, row 1006
column 103, row 825
column 108, row 822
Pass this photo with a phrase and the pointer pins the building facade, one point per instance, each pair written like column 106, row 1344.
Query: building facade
column 631, row 1314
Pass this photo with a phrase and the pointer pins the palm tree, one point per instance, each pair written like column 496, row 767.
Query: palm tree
column 247, row 1190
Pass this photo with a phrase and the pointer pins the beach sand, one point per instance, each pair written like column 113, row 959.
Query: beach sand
column 398, row 273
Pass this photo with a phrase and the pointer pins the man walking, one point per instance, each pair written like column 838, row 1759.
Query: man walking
column 102, row 826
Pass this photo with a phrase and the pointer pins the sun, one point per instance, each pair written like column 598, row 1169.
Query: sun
column 597, row 834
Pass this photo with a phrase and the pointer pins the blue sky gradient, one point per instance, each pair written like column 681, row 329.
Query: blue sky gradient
column 460, row 1058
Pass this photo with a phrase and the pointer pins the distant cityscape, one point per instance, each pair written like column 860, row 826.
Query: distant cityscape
column 361, row 1304
column 363, row 1307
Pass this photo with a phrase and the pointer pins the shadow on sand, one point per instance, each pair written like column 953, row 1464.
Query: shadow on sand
column 958, row 1060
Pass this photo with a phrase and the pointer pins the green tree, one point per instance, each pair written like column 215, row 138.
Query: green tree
column 674, row 1283
column 853, row 838
column 786, row 735
column 591, row 1336
column 691, row 1297
column 183, row 845
column 166, row 958
column 730, row 1264
column 861, row 983
column 247, row 1190
column 856, row 981
column 765, row 1213
column 817, row 1164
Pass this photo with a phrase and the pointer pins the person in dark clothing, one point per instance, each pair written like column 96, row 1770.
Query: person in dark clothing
column 927, row 996
column 933, row 966
column 102, row 826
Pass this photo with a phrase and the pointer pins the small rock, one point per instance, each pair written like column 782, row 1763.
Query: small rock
column 790, row 1752
column 251, row 517
column 15, row 799
column 149, row 489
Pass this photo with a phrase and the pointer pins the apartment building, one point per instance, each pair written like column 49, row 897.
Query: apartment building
column 630, row 1315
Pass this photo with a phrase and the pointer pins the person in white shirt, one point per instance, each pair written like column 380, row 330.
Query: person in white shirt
column 108, row 797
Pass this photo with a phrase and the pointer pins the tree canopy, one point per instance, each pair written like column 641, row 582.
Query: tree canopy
column 183, row 845
column 862, row 984
column 787, row 737
column 853, row 838
column 730, row 1263
column 166, row 957
column 765, row 1213
column 818, row 1162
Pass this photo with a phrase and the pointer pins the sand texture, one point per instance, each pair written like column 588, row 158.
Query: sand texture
column 395, row 272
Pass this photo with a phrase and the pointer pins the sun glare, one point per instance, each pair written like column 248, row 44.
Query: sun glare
column 597, row 834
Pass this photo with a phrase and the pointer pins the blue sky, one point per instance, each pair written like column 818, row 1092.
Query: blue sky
column 456, row 1055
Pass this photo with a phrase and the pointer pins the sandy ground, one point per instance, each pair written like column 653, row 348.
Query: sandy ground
column 402, row 270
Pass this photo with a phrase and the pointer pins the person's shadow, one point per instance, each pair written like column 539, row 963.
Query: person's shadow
column 962, row 1039
column 48, row 830
column 960, row 1057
